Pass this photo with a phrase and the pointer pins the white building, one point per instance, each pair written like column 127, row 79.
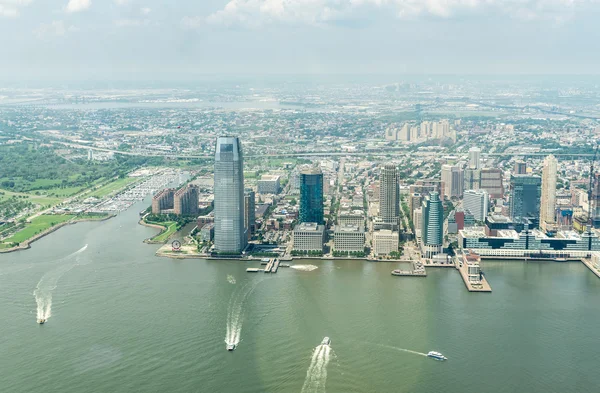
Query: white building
column 384, row 242
column 308, row 236
column 477, row 202
column 418, row 222
column 349, row 238
column 548, row 198
column 355, row 217
column 453, row 180
column 269, row 184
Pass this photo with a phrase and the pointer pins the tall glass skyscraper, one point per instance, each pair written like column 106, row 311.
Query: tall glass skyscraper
column 230, row 234
column 389, row 196
column 433, row 225
column 525, row 198
column 311, row 195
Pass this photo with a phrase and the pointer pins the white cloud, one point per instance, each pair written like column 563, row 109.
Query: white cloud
column 56, row 28
column 253, row 13
column 78, row 5
column 10, row 8
column 146, row 10
column 121, row 2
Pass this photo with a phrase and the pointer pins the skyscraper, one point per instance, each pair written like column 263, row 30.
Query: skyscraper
column 250, row 212
column 525, row 198
column 453, row 179
column 432, row 231
column 548, row 199
column 491, row 181
column 230, row 234
column 474, row 157
column 389, row 196
column 311, row 195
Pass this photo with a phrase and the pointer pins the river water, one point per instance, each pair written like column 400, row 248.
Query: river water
column 122, row 320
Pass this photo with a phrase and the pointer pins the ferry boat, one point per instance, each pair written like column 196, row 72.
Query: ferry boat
column 326, row 341
column 436, row 355
column 230, row 347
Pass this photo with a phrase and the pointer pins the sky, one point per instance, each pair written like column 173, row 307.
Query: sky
column 178, row 39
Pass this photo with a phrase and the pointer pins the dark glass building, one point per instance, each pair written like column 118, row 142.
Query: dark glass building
column 311, row 196
column 525, row 196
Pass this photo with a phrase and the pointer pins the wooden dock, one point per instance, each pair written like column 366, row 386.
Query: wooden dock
column 590, row 265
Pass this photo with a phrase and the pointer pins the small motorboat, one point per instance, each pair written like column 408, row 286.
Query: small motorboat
column 436, row 355
column 230, row 347
column 326, row 341
column 41, row 321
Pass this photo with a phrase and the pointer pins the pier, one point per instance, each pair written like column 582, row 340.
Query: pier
column 417, row 271
column 468, row 266
column 590, row 265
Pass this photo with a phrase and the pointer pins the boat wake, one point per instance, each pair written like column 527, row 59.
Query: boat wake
column 305, row 268
column 231, row 279
column 235, row 312
column 48, row 282
column 403, row 350
column 316, row 375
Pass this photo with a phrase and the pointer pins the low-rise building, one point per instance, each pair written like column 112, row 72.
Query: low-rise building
column 269, row 184
column 350, row 238
column 309, row 236
column 384, row 242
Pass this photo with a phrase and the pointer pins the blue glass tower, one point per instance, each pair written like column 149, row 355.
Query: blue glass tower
column 311, row 196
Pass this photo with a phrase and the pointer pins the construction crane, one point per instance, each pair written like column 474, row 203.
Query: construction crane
column 591, row 204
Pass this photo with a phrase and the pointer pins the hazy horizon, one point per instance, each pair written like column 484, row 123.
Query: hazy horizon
column 79, row 40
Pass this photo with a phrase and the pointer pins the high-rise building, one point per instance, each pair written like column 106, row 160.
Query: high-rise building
column 474, row 157
column 525, row 198
column 185, row 201
column 491, row 181
column 230, row 234
column 389, row 196
column 548, row 198
column 163, row 201
column 250, row 212
column 472, row 179
column 453, row 179
column 311, row 195
column 432, row 232
column 520, row 168
column 476, row 201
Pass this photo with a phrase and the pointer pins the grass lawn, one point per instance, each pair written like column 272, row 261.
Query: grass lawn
column 37, row 199
column 36, row 226
column 171, row 229
column 113, row 186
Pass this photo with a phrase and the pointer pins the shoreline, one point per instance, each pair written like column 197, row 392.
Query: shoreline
column 156, row 226
column 25, row 245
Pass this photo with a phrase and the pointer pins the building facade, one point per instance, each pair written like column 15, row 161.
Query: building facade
column 477, row 202
column 349, row 238
column 432, row 232
column 309, row 236
column 389, row 196
column 453, row 180
column 250, row 212
column 311, row 195
column 163, row 201
column 384, row 242
column 269, row 184
column 548, row 198
column 490, row 179
column 230, row 234
column 186, row 201
column 525, row 198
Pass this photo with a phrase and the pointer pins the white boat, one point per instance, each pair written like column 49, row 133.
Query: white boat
column 230, row 347
column 436, row 355
column 326, row 341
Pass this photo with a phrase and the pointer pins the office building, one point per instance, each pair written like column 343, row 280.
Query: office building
column 389, row 196
column 384, row 242
column 417, row 219
column 490, row 179
column 349, row 238
column 269, row 184
column 355, row 217
column 308, row 236
column 520, row 168
column 230, row 234
column 525, row 198
column 548, row 197
column 476, row 201
column 453, row 180
column 250, row 212
column 185, row 201
column 472, row 179
column 311, row 195
column 432, row 232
